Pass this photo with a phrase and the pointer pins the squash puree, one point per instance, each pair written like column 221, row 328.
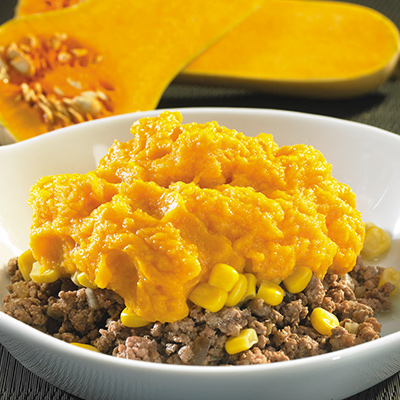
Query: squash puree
column 163, row 208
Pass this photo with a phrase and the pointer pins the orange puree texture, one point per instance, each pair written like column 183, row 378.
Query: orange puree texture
column 163, row 208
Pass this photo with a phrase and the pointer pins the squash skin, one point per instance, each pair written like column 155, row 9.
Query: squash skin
column 338, row 64
column 28, row 7
column 159, row 39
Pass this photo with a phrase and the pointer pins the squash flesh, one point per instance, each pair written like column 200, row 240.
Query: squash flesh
column 304, row 47
column 341, row 34
column 143, row 48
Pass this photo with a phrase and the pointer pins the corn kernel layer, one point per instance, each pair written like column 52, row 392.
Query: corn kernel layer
column 161, row 210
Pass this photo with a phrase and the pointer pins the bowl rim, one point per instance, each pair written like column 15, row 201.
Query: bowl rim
column 199, row 110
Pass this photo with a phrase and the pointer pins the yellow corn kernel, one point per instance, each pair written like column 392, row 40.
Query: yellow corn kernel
column 223, row 276
column 74, row 278
column 251, row 287
column 391, row 275
column 244, row 341
column 25, row 263
column 84, row 281
column 277, row 281
column 376, row 242
column 323, row 321
column 368, row 225
column 210, row 297
column 236, row 295
column 271, row 293
column 132, row 320
column 298, row 280
column 86, row 346
column 41, row 275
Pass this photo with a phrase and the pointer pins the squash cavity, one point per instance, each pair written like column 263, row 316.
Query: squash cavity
column 56, row 80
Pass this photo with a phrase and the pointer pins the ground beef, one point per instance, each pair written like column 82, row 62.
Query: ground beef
column 13, row 271
column 284, row 332
column 61, row 308
column 139, row 348
column 367, row 331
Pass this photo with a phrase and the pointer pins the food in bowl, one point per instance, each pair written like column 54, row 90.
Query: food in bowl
column 195, row 244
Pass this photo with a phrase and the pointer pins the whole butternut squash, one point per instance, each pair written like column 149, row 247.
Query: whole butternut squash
column 102, row 57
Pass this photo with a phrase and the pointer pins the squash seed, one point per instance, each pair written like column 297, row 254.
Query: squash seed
column 65, row 121
column 3, row 64
column 58, row 91
column 23, row 65
column 74, row 84
column 32, row 41
column 78, row 53
column 3, row 70
column 63, row 57
column 4, row 74
column 43, row 99
column 26, row 92
column 38, row 87
column 47, row 112
column 101, row 95
column 13, row 51
column 89, row 93
column 25, row 48
column 87, row 104
column 57, row 40
column 55, row 103
column 76, row 116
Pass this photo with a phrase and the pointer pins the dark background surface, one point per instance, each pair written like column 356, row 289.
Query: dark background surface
column 380, row 109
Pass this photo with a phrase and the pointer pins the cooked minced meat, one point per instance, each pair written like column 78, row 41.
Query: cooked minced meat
column 89, row 316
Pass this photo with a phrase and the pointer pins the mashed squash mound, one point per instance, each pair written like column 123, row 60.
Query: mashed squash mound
column 163, row 208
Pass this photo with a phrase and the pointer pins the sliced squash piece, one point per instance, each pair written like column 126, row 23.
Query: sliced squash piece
column 102, row 57
column 309, row 48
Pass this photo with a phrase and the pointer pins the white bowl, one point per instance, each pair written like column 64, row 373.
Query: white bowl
column 364, row 157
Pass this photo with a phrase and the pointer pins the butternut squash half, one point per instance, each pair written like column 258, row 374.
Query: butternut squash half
column 308, row 48
column 102, row 57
